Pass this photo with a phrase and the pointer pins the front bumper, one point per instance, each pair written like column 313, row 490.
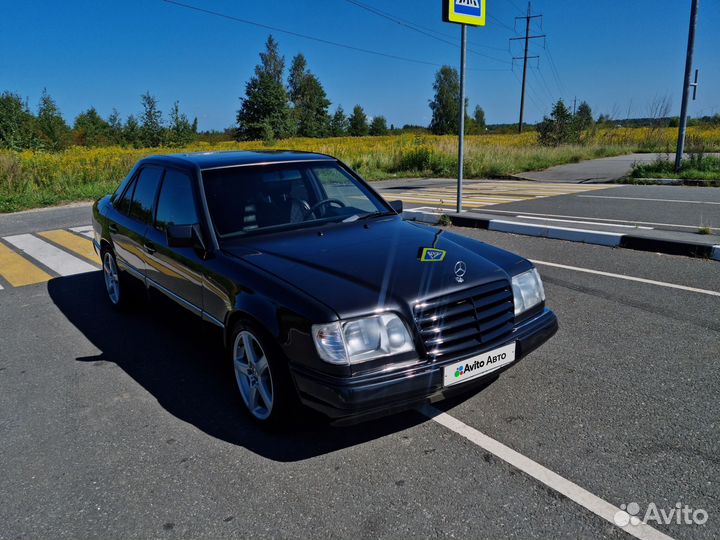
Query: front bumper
column 352, row 399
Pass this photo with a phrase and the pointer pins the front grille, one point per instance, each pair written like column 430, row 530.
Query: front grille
column 466, row 321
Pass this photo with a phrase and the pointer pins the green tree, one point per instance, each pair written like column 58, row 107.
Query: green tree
column 559, row 128
column 132, row 135
column 90, row 129
column 339, row 124
column 310, row 102
column 115, row 128
column 298, row 71
column 151, row 124
column 265, row 110
column 358, row 122
column 378, row 126
column 180, row 132
column 52, row 131
column 479, row 119
column 445, row 105
column 584, row 117
column 16, row 123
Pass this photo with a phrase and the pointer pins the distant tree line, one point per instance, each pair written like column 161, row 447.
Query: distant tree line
column 273, row 108
column 46, row 129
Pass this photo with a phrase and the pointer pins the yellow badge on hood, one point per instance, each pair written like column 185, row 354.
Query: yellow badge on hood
column 432, row 255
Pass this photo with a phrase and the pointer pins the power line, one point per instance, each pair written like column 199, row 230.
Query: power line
column 530, row 95
column 416, row 28
column 513, row 4
column 502, row 24
column 547, row 95
column 555, row 72
column 305, row 36
column 545, row 84
column 427, row 29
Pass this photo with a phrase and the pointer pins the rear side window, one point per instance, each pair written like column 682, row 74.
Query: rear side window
column 123, row 204
column 176, row 204
column 144, row 196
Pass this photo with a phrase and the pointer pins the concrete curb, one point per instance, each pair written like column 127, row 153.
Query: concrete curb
column 587, row 236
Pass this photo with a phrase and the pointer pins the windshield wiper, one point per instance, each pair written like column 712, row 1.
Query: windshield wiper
column 358, row 217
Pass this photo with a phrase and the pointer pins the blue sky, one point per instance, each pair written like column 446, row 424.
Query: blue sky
column 618, row 55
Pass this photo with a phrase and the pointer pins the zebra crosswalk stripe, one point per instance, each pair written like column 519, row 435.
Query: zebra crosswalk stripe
column 18, row 271
column 72, row 242
column 52, row 257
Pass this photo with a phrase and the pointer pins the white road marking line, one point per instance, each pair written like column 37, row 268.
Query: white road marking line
column 86, row 230
column 424, row 210
column 514, row 212
column 646, row 199
column 585, row 222
column 53, row 257
column 571, row 490
column 476, row 198
column 1, row 287
column 629, row 278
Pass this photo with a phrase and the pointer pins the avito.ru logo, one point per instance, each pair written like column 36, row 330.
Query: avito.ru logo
column 477, row 364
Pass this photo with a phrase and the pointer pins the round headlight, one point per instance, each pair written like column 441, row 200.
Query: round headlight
column 396, row 333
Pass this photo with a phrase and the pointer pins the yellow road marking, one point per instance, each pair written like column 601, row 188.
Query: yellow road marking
column 77, row 244
column 18, row 271
column 450, row 202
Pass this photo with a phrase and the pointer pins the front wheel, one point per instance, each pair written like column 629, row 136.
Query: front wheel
column 261, row 375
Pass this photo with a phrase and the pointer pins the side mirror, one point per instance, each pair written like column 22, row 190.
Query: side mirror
column 397, row 206
column 185, row 236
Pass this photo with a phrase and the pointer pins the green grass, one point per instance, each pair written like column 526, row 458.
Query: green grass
column 705, row 169
column 35, row 179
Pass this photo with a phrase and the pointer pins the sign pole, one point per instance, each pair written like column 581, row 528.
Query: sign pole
column 686, row 87
column 461, row 144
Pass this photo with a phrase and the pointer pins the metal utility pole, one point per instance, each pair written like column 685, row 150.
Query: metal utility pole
column 461, row 145
column 686, row 86
column 525, row 58
column 464, row 13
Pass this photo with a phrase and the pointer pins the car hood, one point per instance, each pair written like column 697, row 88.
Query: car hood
column 357, row 268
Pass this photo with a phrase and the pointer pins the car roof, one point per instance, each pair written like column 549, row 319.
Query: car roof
column 213, row 160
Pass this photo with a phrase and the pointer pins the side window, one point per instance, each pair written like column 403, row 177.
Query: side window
column 176, row 205
column 123, row 204
column 144, row 196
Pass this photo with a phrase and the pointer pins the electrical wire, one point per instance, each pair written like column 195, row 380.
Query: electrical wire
column 395, row 18
column 555, row 72
column 513, row 4
column 416, row 28
column 309, row 37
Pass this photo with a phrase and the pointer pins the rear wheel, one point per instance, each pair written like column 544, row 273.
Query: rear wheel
column 261, row 374
column 118, row 289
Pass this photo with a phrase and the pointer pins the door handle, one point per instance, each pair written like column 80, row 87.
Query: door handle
column 113, row 228
column 149, row 248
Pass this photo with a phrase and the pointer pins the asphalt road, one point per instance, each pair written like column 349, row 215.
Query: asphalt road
column 591, row 171
column 663, row 207
column 128, row 425
column 667, row 208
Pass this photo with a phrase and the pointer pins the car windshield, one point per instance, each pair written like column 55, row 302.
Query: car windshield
column 250, row 199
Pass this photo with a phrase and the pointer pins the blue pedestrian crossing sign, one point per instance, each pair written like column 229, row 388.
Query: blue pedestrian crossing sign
column 470, row 12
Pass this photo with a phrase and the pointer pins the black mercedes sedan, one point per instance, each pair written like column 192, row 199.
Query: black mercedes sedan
column 324, row 293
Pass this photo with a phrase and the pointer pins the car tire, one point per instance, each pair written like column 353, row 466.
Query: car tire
column 262, row 377
column 120, row 292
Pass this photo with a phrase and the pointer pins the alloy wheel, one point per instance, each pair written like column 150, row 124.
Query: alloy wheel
column 253, row 376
